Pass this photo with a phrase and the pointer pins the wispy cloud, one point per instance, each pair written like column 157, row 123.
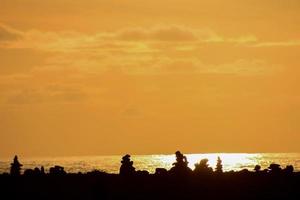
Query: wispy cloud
column 130, row 38
column 138, row 51
column 290, row 43
column 8, row 34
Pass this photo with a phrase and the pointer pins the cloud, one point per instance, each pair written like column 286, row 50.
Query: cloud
column 168, row 33
column 154, row 50
column 241, row 67
column 243, row 39
column 124, row 39
column 238, row 67
column 132, row 40
column 132, row 112
column 8, row 34
column 44, row 95
column 43, row 85
column 25, row 97
column 278, row 44
column 108, row 81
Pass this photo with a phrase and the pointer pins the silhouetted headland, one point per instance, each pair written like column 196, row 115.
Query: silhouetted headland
column 180, row 182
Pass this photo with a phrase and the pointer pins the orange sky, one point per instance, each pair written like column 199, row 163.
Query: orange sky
column 92, row 77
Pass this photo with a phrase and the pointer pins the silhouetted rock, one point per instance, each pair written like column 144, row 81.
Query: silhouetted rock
column 181, row 165
column 257, row 168
column 15, row 169
column 274, row 168
column 127, row 166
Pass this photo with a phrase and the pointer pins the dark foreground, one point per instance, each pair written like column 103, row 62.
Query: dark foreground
column 99, row 185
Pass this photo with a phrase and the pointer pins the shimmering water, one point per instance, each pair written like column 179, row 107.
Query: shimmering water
column 111, row 164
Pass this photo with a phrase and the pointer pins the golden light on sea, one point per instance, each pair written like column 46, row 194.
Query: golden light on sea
column 230, row 161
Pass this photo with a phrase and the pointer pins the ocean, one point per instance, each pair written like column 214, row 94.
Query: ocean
column 111, row 164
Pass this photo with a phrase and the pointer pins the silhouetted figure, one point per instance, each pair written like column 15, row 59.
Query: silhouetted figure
column 203, row 167
column 127, row 166
column 15, row 168
column 57, row 170
column 181, row 165
column 219, row 166
column 274, row 168
column 257, row 168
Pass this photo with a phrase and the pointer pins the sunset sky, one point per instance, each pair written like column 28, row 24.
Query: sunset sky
column 96, row 77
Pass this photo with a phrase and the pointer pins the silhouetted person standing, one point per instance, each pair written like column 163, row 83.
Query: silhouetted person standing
column 15, row 168
column 127, row 166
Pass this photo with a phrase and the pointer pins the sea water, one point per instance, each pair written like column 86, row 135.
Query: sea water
column 111, row 164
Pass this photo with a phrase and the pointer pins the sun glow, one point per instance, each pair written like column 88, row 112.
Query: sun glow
column 230, row 161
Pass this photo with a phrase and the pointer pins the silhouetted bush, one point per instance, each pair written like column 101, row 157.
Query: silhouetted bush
column 219, row 166
column 142, row 173
column 161, row 171
column 289, row 169
column 42, row 170
column 96, row 172
column 244, row 171
column 57, row 170
column 202, row 167
column 34, row 172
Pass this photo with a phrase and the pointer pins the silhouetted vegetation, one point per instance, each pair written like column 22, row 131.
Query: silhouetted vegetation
column 57, row 170
column 15, row 169
column 201, row 183
column 219, row 167
column 202, row 167
column 34, row 172
column 289, row 169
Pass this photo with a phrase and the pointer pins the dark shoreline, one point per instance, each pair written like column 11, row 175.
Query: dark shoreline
column 180, row 182
column 100, row 185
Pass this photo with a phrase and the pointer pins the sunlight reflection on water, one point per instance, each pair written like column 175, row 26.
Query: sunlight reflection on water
column 231, row 161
